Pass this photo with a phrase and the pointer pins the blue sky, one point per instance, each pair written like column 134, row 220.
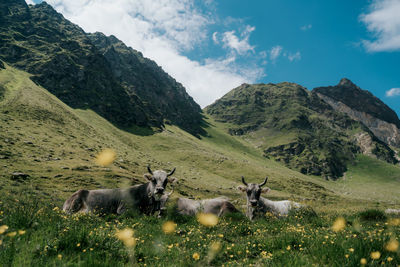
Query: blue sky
column 213, row 46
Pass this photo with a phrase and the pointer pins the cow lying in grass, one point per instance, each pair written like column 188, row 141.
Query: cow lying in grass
column 257, row 205
column 144, row 198
column 218, row 206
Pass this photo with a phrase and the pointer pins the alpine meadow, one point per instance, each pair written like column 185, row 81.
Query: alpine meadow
column 107, row 160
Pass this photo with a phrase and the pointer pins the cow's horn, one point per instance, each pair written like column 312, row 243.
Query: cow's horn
column 243, row 181
column 265, row 181
column 149, row 170
column 172, row 172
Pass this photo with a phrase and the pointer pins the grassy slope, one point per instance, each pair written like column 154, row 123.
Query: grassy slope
column 64, row 139
column 43, row 137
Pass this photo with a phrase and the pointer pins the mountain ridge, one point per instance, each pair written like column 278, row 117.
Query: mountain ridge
column 361, row 100
column 62, row 58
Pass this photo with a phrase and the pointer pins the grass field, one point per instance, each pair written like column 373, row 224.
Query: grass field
column 56, row 146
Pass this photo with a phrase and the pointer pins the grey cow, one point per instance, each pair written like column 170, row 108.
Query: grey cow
column 219, row 206
column 144, row 198
column 257, row 205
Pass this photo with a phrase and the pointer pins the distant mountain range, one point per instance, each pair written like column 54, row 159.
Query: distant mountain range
column 316, row 132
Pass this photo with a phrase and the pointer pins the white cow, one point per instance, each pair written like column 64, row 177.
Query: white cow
column 145, row 197
column 258, row 205
column 219, row 206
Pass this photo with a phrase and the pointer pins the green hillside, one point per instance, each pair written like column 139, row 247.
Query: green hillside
column 295, row 127
column 56, row 146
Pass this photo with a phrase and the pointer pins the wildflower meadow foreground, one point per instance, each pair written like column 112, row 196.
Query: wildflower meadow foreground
column 36, row 235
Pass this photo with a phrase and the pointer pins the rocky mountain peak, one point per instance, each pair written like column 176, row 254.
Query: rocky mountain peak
column 347, row 83
column 360, row 100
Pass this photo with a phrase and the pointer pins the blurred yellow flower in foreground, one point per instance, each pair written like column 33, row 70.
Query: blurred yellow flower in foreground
column 21, row 232
column 12, row 234
column 207, row 219
column 394, row 222
column 215, row 247
column 59, row 256
column 196, row 256
column 106, row 157
column 363, row 261
column 3, row 228
column 126, row 236
column 375, row 255
column 339, row 224
column 392, row 245
column 169, row 227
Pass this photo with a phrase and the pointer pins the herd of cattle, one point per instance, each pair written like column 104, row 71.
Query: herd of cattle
column 150, row 198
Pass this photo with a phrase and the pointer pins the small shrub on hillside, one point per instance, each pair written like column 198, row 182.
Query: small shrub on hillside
column 372, row 215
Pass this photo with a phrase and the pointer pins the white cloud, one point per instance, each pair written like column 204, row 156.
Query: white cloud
column 215, row 37
column 306, row 27
column 294, row 57
column 164, row 30
column 30, row 2
column 232, row 41
column 383, row 21
column 275, row 52
column 393, row 92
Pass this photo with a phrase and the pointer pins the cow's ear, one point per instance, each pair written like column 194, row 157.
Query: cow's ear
column 148, row 177
column 266, row 190
column 242, row 188
column 172, row 179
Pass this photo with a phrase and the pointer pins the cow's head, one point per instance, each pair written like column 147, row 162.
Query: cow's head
column 253, row 191
column 158, row 181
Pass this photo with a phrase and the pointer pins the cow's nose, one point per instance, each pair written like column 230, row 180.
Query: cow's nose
column 253, row 202
column 159, row 190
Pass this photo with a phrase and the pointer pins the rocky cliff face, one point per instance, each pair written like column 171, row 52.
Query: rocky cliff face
column 81, row 72
column 385, row 131
column 362, row 106
column 298, row 128
column 164, row 97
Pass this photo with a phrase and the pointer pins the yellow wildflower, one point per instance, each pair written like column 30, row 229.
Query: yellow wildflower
column 3, row 228
column 169, row 227
column 21, row 232
column 339, row 224
column 347, row 256
column 126, row 236
column 363, row 261
column 59, row 256
column 288, row 247
column 394, row 222
column 106, row 157
column 78, row 245
column 392, row 245
column 216, row 246
column 207, row 219
column 12, row 234
column 351, row 249
column 389, row 259
column 375, row 255
column 196, row 256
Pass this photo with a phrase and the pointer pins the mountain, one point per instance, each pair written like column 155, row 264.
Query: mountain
column 363, row 106
column 92, row 71
column 296, row 127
